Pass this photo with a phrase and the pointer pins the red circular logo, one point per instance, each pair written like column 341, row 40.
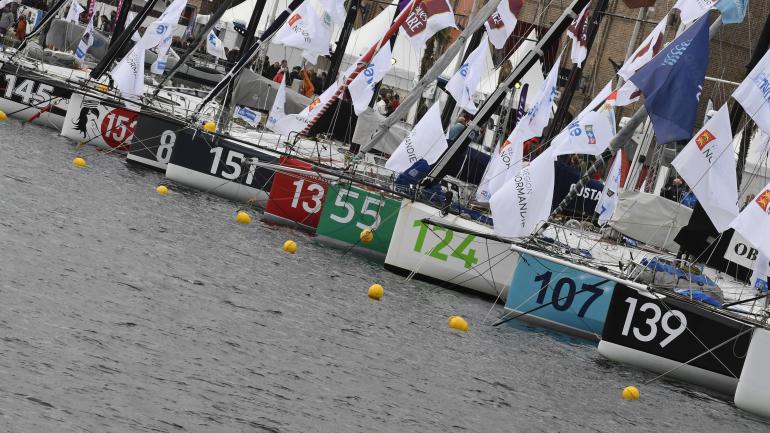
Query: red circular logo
column 118, row 127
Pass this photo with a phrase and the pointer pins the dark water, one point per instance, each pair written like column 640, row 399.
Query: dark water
column 126, row 311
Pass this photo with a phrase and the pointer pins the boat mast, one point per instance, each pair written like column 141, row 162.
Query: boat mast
column 197, row 42
column 342, row 42
column 120, row 23
column 576, row 74
column 490, row 104
column 617, row 142
column 124, row 37
column 247, row 56
column 43, row 24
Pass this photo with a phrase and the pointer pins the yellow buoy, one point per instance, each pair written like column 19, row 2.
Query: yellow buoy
column 210, row 126
column 3, row 116
column 243, row 217
column 102, row 87
column 630, row 393
column 290, row 246
column 376, row 291
column 162, row 189
column 366, row 236
column 457, row 322
column 79, row 162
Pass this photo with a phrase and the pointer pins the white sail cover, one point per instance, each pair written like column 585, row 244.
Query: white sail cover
column 86, row 41
column 307, row 30
column 691, row 10
column 277, row 112
column 578, row 32
column 707, row 164
column 525, row 199
column 502, row 164
column 753, row 223
column 426, row 19
column 362, row 87
column 73, row 14
column 608, row 201
column 754, row 94
column 214, row 45
column 426, row 141
column 650, row 218
column 500, row 24
column 464, row 83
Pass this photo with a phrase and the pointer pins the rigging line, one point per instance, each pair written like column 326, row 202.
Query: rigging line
column 710, row 350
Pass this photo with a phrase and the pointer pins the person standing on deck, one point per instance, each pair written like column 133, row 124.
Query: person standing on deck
column 456, row 129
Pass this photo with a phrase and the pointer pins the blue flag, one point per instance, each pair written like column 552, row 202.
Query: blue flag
column 733, row 11
column 672, row 82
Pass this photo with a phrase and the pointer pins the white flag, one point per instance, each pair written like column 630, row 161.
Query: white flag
column 507, row 158
column 276, row 112
column 627, row 94
column 754, row 94
column 308, row 31
column 649, row 47
column 214, row 45
column 759, row 275
column 163, row 27
column 578, row 32
column 753, row 223
column 526, row 198
column 362, row 87
column 159, row 65
column 504, row 163
column 707, row 164
column 251, row 117
column 589, row 134
column 136, row 36
column 426, row 19
column 608, row 201
column 85, row 41
column 298, row 122
column 129, row 72
column 464, row 83
column 691, row 10
column 335, row 9
column 501, row 23
column 73, row 14
column 426, row 141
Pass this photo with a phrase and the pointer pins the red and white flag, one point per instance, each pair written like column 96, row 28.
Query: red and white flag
column 426, row 19
column 649, row 47
column 578, row 32
column 707, row 164
column 501, row 23
column 753, row 223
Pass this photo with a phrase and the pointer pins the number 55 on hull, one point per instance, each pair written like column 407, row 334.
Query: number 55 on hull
column 661, row 334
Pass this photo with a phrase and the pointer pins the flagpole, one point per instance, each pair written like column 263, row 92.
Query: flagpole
column 362, row 62
column 490, row 104
column 576, row 73
column 620, row 139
